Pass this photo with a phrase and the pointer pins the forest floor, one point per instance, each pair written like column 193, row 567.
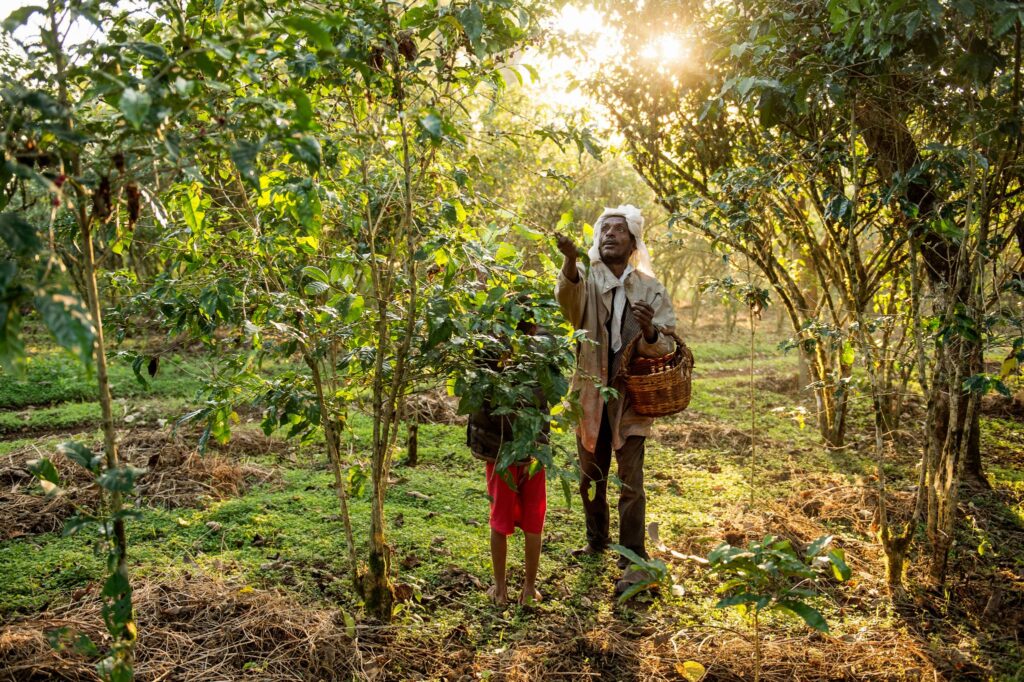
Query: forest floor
column 239, row 568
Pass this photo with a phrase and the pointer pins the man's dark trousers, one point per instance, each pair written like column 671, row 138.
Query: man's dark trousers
column 594, row 468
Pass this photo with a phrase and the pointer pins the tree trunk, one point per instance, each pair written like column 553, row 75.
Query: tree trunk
column 830, row 404
column 803, row 369
column 377, row 590
column 895, row 547
column 695, row 305
column 412, row 443
column 974, row 473
column 332, row 438
column 894, row 151
column 122, row 625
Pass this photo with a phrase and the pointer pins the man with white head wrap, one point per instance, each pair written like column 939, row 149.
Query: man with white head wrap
column 619, row 286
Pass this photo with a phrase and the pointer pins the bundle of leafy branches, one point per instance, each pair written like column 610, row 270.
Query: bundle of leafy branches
column 517, row 363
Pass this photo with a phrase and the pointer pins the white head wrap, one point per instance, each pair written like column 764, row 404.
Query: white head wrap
column 641, row 258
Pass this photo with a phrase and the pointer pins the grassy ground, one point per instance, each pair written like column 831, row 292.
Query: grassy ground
column 249, row 541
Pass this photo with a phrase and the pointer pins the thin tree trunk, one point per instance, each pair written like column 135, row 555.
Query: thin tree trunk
column 895, row 544
column 412, row 443
column 126, row 620
column 332, row 437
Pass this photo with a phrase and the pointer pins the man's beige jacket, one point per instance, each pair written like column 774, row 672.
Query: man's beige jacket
column 587, row 305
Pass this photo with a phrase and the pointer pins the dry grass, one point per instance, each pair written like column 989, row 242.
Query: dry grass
column 686, row 435
column 432, row 407
column 177, row 476
column 193, row 628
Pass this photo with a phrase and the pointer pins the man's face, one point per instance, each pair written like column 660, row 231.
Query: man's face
column 617, row 244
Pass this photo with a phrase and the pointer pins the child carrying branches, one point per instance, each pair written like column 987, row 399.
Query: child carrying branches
column 515, row 480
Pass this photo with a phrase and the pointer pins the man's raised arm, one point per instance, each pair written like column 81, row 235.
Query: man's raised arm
column 570, row 287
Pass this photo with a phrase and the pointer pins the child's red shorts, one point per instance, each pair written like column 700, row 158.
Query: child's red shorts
column 524, row 507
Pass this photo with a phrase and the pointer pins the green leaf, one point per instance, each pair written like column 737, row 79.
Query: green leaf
column 18, row 17
column 979, row 62
column 120, row 479
column 190, row 209
column 810, row 616
column 315, row 273
column 19, row 235
column 44, row 470
column 307, row 149
column 80, row 455
column 1008, row 367
column 772, row 106
column 315, row 288
column 303, row 116
column 736, row 599
column 840, row 570
column 116, row 585
column 355, row 309
column 350, row 624
column 505, row 253
column 314, row 30
column 1004, row 21
column 135, row 106
column 150, row 50
column 69, row 323
column 244, row 155
column 77, row 523
column 137, row 364
column 636, row 588
column 814, row 549
column 45, row 105
column 633, row 557
column 432, row 125
column 564, row 221
column 472, row 21
column 60, row 639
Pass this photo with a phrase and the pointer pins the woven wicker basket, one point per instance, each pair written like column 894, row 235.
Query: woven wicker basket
column 658, row 387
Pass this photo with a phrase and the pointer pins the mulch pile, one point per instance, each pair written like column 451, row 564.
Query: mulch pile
column 783, row 384
column 176, row 476
column 197, row 627
column 432, row 407
column 687, row 434
column 192, row 628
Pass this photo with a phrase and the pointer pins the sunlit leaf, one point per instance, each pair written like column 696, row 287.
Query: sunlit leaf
column 691, row 671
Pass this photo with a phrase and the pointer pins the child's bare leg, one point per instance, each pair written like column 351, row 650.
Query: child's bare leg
column 530, row 591
column 499, row 551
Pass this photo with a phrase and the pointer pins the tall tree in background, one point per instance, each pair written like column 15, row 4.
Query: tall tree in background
column 782, row 111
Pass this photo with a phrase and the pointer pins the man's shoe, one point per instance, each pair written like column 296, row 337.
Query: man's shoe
column 587, row 550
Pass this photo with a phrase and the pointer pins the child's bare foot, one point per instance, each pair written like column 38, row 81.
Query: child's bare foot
column 530, row 596
column 498, row 596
